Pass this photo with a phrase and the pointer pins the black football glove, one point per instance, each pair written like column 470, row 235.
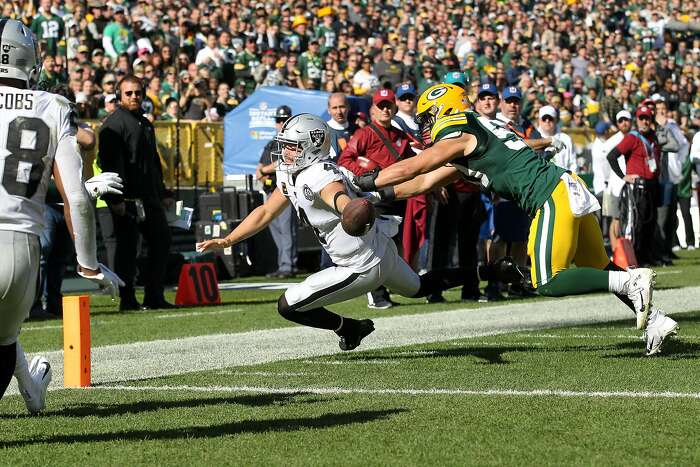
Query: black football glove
column 365, row 182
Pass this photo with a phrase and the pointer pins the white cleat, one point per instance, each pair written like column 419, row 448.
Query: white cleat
column 35, row 396
column 639, row 289
column 657, row 331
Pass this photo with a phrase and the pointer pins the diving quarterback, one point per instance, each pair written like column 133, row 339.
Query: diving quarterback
column 37, row 139
column 563, row 228
column 319, row 191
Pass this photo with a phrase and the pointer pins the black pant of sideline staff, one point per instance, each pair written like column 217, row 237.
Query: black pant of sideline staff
column 156, row 232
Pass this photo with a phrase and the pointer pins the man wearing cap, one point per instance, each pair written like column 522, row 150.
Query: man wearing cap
column 562, row 148
column 601, row 170
column 48, row 28
column 405, row 118
column 310, row 64
column 378, row 144
column 387, row 69
column 642, row 156
column 487, row 100
column 284, row 227
column 614, row 184
column 118, row 36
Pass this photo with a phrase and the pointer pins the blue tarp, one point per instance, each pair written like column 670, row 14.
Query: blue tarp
column 251, row 125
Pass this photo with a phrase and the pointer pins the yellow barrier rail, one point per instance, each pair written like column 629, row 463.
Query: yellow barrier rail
column 201, row 152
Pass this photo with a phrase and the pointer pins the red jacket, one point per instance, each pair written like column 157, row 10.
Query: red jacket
column 637, row 155
column 365, row 143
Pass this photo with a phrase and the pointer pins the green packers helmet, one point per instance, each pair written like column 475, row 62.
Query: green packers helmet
column 19, row 52
column 437, row 101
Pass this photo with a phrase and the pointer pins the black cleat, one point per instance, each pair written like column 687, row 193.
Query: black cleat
column 351, row 337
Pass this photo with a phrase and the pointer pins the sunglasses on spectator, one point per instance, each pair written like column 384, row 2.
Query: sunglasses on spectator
column 623, row 120
column 645, row 118
column 547, row 118
column 132, row 93
column 407, row 97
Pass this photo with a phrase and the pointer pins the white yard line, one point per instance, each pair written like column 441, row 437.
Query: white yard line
column 138, row 360
column 593, row 336
column 410, row 392
column 199, row 313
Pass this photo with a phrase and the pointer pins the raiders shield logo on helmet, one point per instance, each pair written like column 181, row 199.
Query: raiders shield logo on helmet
column 317, row 137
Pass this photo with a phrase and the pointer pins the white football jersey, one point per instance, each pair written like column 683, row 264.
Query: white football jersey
column 32, row 124
column 303, row 191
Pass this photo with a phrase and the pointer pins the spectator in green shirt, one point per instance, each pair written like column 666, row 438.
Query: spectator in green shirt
column 48, row 28
column 118, row 37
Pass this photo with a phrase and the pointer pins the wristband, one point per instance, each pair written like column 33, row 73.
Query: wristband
column 335, row 200
column 387, row 193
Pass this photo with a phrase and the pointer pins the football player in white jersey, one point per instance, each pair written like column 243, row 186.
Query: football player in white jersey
column 319, row 191
column 37, row 139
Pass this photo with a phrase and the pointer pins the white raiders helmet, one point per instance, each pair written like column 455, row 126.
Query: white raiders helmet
column 19, row 52
column 310, row 134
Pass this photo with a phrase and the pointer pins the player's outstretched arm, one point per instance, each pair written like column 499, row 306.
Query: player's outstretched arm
column 252, row 224
column 435, row 156
column 439, row 177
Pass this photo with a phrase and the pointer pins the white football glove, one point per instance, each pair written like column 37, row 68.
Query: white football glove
column 104, row 183
column 107, row 279
column 557, row 144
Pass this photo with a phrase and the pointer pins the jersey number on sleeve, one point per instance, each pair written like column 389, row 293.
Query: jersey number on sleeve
column 27, row 143
column 510, row 139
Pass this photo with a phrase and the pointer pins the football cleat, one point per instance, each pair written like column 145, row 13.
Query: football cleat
column 639, row 288
column 35, row 396
column 351, row 337
column 658, row 330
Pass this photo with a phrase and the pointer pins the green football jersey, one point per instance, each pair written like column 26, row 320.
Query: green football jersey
column 49, row 30
column 501, row 161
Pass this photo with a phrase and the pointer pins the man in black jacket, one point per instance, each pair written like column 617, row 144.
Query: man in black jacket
column 127, row 145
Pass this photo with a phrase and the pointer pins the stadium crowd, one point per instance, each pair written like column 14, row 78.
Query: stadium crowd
column 576, row 64
column 589, row 59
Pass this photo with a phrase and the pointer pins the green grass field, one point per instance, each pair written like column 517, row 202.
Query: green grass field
column 572, row 395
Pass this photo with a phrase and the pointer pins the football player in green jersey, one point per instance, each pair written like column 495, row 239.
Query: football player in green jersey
column 564, row 229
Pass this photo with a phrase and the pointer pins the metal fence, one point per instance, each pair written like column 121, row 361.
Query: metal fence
column 201, row 153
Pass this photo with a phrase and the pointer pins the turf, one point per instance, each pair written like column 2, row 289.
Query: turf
column 309, row 412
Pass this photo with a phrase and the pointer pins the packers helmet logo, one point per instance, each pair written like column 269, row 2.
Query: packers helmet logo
column 317, row 137
column 437, row 93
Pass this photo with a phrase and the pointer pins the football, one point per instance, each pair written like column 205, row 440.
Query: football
column 357, row 217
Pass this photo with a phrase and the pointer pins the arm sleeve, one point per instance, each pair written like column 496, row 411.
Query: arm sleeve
column 107, row 45
column 348, row 158
column 70, row 167
column 612, row 159
column 110, row 157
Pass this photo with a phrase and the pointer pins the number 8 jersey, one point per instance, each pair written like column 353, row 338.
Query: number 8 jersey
column 303, row 189
column 32, row 125
column 501, row 160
